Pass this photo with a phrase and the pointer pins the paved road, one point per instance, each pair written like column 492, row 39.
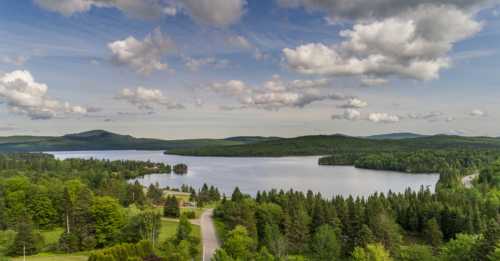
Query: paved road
column 209, row 237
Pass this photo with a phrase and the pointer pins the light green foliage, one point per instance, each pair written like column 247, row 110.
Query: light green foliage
column 415, row 253
column 325, row 246
column 459, row 249
column 238, row 244
column 495, row 255
column 372, row 252
column 6, row 240
column 109, row 219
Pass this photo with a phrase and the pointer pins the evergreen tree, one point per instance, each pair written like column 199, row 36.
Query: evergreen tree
column 432, row 233
column 183, row 230
column 171, row 208
column 25, row 242
column 325, row 246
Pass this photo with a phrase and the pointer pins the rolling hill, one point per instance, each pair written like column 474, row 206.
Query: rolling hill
column 102, row 140
column 329, row 144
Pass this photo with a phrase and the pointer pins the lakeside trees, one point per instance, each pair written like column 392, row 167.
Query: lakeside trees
column 91, row 200
column 454, row 223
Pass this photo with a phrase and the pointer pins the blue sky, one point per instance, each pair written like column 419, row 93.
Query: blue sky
column 218, row 68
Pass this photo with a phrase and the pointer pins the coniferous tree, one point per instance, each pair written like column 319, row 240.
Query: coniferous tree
column 171, row 208
column 26, row 241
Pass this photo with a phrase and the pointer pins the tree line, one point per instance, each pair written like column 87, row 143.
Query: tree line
column 454, row 223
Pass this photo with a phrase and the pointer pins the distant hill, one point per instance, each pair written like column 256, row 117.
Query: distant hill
column 329, row 144
column 101, row 140
column 396, row 136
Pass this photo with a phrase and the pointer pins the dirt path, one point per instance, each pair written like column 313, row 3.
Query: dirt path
column 208, row 234
column 467, row 180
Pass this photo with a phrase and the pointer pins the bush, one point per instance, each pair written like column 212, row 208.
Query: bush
column 190, row 214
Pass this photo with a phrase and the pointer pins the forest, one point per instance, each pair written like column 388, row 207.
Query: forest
column 320, row 145
column 454, row 223
column 92, row 210
column 87, row 204
column 419, row 161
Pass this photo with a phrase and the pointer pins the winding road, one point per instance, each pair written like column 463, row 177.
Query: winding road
column 209, row 237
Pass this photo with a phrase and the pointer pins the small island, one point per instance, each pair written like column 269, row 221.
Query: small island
column 180, row 169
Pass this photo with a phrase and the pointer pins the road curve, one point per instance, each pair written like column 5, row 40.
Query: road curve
column 208, row 234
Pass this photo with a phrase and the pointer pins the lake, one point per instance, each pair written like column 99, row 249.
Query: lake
column 254, row 174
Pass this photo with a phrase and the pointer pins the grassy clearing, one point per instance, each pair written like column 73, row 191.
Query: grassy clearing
column 53, row 257
column 51, row 236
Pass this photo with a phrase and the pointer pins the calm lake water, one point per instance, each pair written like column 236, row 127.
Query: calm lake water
column 254, row 174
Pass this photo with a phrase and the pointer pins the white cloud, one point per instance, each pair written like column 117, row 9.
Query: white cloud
column 276, row 93
column 412, row 45
column 142, row 56
column 430, row 116
column 170, row 10
column 477, row 113
column 380, row 117
column 194, row 64
column 354, row 103
column 219, row 13
column 348, row 114
column 23, row 95
column 231, row 88
column 143, row 9
column 239, row 42
column 147, row 99
column 359, row 10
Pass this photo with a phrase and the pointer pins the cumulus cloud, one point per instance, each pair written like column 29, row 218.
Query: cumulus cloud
column 230, row 88
column 147, row 99
column 218, row 13
column 144, row 9
column 375, row 117
column 142, row 56
column 381, row 117
column 477, row 113
column 23, row 95
column 359, row 10
column 430, row 116
column 348, row 114
column 414, row 45
column 194, row 64
column 276, row 93
column 354, row 103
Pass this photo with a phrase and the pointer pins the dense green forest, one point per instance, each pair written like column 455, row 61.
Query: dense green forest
column 96, row 212
column 454, row 224
column 88, row 204
column 104, row 140
column 420, row 161
column 333, row 144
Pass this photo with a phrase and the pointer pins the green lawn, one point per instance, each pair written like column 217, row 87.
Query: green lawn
column 53, row 257
column 51, row 236
column 168, row 229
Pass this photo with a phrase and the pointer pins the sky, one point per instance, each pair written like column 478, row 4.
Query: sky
column 179, row 69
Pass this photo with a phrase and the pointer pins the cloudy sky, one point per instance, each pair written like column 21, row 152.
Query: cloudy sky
column 216, row 68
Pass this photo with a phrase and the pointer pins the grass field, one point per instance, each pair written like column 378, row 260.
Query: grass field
column 51, row 236
column 52, row 257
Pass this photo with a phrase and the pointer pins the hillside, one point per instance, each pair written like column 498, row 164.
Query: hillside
column 329, row 144
column 100, row 140
column 396, row 136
